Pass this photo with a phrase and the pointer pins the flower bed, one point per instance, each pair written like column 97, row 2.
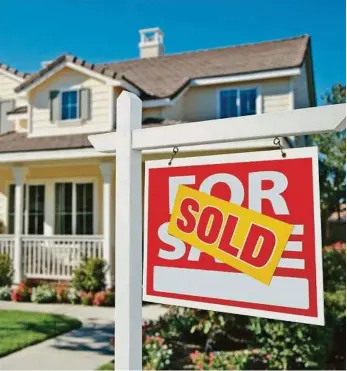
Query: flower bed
column 41, row 293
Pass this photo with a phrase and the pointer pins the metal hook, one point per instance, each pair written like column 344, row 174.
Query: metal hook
column 174, row 153
column 277, row 142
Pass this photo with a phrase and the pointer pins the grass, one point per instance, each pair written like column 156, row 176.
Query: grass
column 19, row 329
column 107, row 366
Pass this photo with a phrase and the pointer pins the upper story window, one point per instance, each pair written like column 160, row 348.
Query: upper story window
column 237, row 102
column 69, row 105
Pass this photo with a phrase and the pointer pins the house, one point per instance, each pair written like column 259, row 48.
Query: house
column 57, row 194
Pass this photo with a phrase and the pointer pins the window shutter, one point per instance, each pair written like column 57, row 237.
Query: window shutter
column 6, row 106
column 85, row 104
column 55, row 106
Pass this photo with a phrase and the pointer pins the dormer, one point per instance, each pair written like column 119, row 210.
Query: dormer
column 151, row 42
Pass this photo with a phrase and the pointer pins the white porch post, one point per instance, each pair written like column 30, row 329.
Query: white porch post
column 106, row 169
column 19, row 177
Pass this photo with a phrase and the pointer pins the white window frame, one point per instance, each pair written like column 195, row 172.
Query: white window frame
column 258, row 103
column 78, row 118
column 75, row 181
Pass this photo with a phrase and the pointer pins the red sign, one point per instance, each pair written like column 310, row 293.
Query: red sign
column 287, row 189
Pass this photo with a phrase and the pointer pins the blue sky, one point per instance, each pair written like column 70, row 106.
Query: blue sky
column 104, row 30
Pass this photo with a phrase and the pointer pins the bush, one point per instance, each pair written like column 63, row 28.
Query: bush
column 86, row 298
column 62, row 291
column 21, row 293
column 43, row 294
column 5, row 293
column 104, row 299
column 6, row 270
column 239, row 360
column 73, row 296
column 334, row 268
column 90, row 276
column 156, row 355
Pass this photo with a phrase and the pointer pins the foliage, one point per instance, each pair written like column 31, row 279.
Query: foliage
column 73, row 296
column 156, row 354
column 332, row 164
column 6, row 270
column 62, row 291
column 19, row 329
column 21, row 293
column 90, row 275
column 239, row 360
column 104, row 298
column 43, row 294
column 86, row 298
column 5, row 293
column 334, row 268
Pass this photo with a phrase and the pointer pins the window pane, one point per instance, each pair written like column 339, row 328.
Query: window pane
column 11, row 198
column 84, row 224
column 228, row 103
column 69, row 105
column 84, row 194
column 248, row 102
column 36, row 209
column 63, row 208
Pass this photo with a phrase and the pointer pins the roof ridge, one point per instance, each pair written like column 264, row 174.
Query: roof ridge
column 303, row 36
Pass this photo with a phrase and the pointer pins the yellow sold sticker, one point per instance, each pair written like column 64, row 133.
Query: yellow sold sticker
column 244, row 239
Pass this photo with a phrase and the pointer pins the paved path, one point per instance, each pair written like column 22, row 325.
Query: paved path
column 84, row 349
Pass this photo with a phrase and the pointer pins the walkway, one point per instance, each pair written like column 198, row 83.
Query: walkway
column 84, row 349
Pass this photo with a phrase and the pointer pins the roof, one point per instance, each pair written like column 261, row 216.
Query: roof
column 13, row 71
column 20, row 142
column 165, row 76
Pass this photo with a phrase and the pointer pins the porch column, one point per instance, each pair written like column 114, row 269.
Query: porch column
column 19, row 177
column 106, row 169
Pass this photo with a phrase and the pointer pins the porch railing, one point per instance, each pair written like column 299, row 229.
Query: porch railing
column 55, row 257
column 7, row 245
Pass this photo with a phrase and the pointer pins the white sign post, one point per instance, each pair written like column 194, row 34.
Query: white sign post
column 128, row 143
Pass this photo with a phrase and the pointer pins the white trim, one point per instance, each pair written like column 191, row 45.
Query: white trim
column 258, row 101
column 11, row 75
column 112, row 100
column 86, row 71
column 308, row 152
column 78, row 113
column 245, row 77
column 17, row 116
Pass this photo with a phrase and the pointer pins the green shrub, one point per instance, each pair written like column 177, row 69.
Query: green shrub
column 73, row 296
column 44, row 294
column 90, row 276
column 239, row 360
column 5, row 293
column 156, row 354
column 6, row 270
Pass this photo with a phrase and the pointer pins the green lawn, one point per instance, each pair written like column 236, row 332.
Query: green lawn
column 107, row 366
column 19, row 329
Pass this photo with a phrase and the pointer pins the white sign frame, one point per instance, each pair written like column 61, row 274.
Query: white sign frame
column 307, row 152
column 127, row 145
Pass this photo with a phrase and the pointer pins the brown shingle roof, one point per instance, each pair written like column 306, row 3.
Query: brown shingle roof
column 13, row 71
column 19, row 142
column 164, row 76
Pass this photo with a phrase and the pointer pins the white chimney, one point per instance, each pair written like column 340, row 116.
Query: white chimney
column 44, row 64
column 151, row 42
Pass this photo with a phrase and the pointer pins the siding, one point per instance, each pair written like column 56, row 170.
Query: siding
column 301, row 98
column 200, row 103
column 69, row 79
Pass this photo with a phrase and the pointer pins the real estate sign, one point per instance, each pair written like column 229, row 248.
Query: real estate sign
column 236, row 233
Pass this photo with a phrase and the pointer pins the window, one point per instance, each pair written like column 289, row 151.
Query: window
column 69, row 105
column 237, row 102
column 74, row 208
column 33, row 209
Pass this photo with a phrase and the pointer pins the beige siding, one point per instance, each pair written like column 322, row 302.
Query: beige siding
column 64, row 80
column 7, row 86
column 201, row 103
column 276, row 96
column 301, row 98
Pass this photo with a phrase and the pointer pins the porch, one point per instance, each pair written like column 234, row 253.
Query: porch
column 51, row 257
column 55, row 214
